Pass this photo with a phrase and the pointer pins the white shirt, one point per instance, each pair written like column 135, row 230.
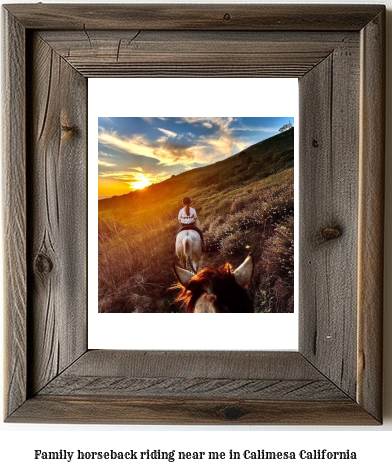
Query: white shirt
column 184, row 219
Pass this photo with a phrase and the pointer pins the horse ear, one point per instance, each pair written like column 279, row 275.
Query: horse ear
column 183, row 276
column 244, row 273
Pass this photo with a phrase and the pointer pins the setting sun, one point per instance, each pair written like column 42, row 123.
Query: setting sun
column 141, row 182
column 136, row 152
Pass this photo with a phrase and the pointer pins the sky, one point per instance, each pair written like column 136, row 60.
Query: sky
column 134, row 152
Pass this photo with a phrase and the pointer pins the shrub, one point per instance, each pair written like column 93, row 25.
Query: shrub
column 276, row 270
column 233, row 244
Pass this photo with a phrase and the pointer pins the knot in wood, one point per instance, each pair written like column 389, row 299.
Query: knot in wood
column 315, row 143
column 227, row 16
column 69, row 128
column 43, row 264
column 232, row 413
column 328, row 233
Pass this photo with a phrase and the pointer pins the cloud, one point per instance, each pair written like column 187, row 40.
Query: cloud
column 134, row 176
column 218, row 148
column 166, row 153
column 148, row 119
column 255, row 129
column 107, row 164
column 172, row 153
column 210, row 147
column 168, row 133
column 137, row 145
column 107, row 119
column 222, row 123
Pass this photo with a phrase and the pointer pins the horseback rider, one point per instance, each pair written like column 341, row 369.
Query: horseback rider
column 187, row 218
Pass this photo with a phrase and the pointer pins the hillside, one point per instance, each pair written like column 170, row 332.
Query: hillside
column 252, row 164
column 244, row 203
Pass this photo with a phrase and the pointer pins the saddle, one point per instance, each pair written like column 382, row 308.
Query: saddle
column 187, row 227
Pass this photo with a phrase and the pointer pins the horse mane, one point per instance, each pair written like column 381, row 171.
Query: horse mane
column 221, row 287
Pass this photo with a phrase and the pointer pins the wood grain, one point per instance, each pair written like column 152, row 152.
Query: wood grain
column 14, row 209
column 128, row 53
column 371, row 216
column 57, row 215
column 208, row 364
column 103, row 409
column 196, row 387
column 206, row 374
column 329, row 98
column 187, row 387
column 193, row 17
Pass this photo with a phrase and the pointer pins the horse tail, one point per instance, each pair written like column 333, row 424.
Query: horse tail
column 187, row 249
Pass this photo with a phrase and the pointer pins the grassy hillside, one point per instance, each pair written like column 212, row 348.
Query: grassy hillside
column 245, row 203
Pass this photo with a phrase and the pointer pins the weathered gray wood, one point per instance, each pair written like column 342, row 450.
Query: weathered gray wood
column 329, row 98
column 193, row 17
column 135, row 45
column 194, row 380
column 188, row 387
column 371, row 216
column 192, row 71
column 207, row 364
column 167, row 53
column 14, row 208
column 323, row 383
column 58, row 215
column 344, row 214
column 208, row 375
column 103, row 409
column 112, row 42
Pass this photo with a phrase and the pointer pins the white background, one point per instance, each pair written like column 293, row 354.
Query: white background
column 373, row 444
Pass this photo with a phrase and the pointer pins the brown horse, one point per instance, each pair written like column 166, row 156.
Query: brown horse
column 216, row 289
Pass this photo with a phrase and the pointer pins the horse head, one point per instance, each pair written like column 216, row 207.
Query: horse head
column 216, row 289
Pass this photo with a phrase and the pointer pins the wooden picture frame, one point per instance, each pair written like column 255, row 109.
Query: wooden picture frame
column 338, row 54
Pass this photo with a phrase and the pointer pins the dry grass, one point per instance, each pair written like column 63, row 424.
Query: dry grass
column 135, row 269
column 136, row 255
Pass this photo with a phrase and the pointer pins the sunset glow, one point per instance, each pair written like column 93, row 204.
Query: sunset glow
column 135, row 152
column 141, row 182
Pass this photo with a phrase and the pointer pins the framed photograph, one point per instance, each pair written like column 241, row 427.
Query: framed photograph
column 337, row 55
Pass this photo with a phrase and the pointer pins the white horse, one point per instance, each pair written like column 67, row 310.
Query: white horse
column 188, row 249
